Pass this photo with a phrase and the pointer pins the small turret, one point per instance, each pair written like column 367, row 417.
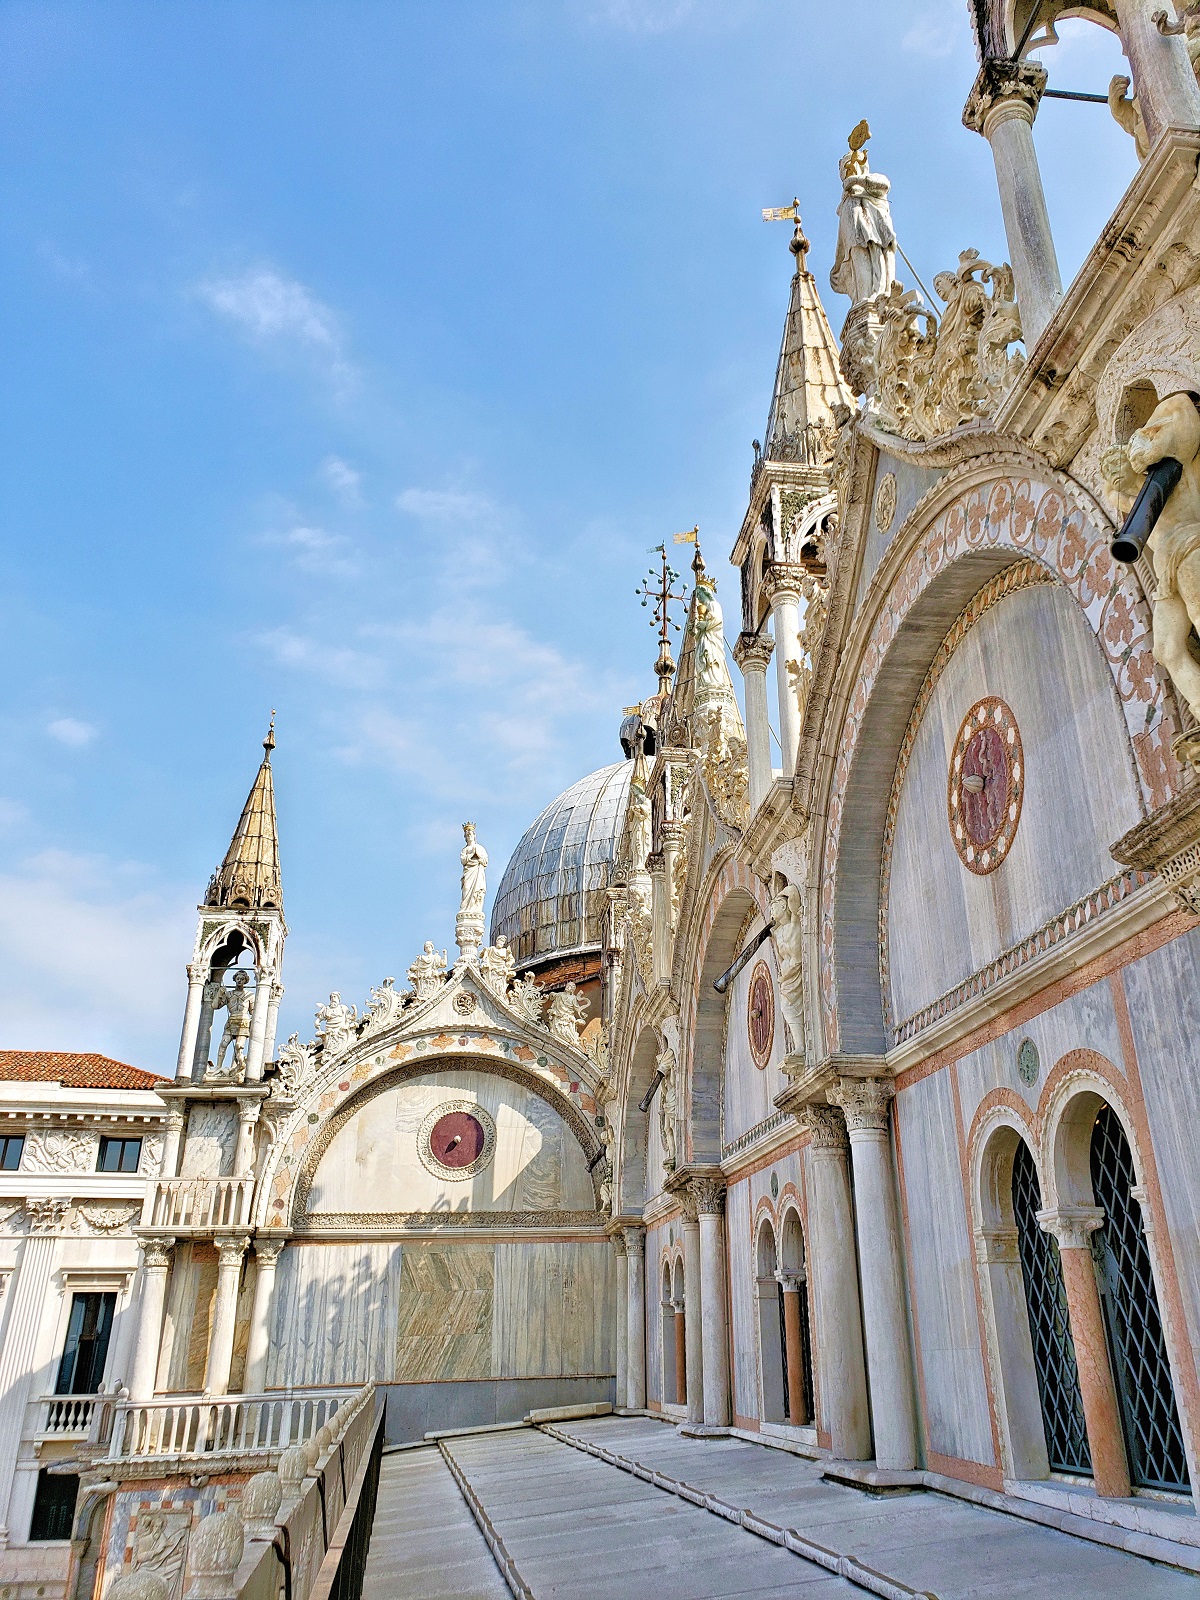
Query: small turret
column 249, row 874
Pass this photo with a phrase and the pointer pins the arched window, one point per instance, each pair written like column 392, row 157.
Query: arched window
column 1049, row 1325
column 771, row 1335
column 795, row 1281
column 1153, row 1438
column 669, row 1374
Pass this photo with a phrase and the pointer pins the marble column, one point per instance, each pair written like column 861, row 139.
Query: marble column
column 838, row 1342
column 258, row 1025
column 266, row 1255
column 243, row 1160
column 191, row 1021
column 752, row 653
column 30, row 1296
column 1073, row 1227
column 864, row 1103
column 1001, row 107
column 997, row 1252
column 695, row 1323
column 710, row 1204
column 793, row 1288
column 783, row 585
column 272, row 1021
column 170, row 1154
column 680, row 1352
column 204, row 1035
column 660, row 915
column 635, row 1319
column 155, row 1267
column 230, row 1251
column 618, row 1242
column 1163, row 79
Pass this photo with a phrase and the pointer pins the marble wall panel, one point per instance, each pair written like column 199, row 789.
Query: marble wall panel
column 335, row 1314
column 211, row 1143
column 554, row 1308
column 744, row 1324
column 911, row 484
column 1163, row 991
column 372, row 1164
column 1036, row 652
column 193, row 1286
column 941, row 1274
column 444, row 1321
column 749, row 1089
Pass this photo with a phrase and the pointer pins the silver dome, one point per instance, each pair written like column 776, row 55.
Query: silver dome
column 550, row 902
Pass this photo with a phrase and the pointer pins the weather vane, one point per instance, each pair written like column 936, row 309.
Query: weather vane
column 661, row 597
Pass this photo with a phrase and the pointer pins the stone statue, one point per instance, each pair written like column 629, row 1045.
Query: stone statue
column 498, row 966
column 295, row 1067
column 236, row 1034
column 428, row 971
column 468, row 925
column 864, row 264
column 1128, row 113
column 527, row 1000
column 568, row 1013
column 607, row 1166
column 787, row 935
column 1173, row 429
column 667, row 1105
column 639, row 824
column 1188, row 24
column 337, row 1026
column 708, row 624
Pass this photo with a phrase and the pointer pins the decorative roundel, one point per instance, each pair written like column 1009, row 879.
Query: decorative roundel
column 987, row 785
column 457, row 1140
column 1028, row 1064
column 760, row 1014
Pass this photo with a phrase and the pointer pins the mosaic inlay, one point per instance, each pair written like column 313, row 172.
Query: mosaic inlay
column 986, row 787
column 760, row 1014
column 457, row 1140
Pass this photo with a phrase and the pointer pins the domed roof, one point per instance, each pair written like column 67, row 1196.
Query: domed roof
column 550, row 902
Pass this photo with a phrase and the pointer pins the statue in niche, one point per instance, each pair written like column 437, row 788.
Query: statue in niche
column 337, row 1026
column 568, row 1013
column 668, row 1107
column 709, row 628
column 1173, row 429
column 527, row 1000
column 640, row 824
column 787, row 935
column 607, row 1165
column 428, row 971
column 498, row 966
column 864, row 264
column 468, row 925
column 235, row 1036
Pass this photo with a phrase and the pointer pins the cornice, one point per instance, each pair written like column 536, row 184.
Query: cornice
column 775, row 821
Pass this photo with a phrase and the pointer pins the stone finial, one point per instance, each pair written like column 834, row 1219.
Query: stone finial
column 261, row 1499
column 215, row 1555
column 139, row 1585
column 293, row 1469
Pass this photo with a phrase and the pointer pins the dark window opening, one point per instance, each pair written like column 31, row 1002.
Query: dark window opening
column 89, row 1329
column 119, row 1155
column 11, row 1145
column 54, row 1505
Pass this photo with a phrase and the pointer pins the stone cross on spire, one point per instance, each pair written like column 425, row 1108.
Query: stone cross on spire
column 249, row 874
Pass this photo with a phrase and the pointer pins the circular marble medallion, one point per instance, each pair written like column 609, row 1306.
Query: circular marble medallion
column 987, row 785
column 457, row 1140
column 760, row 1014
column 1028, row 1064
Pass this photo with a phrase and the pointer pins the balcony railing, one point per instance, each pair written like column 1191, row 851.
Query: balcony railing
column 201, row 1203
column 66, row 1416
column 190, row 1425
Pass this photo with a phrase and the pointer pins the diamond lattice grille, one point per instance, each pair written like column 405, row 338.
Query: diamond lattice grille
column 1143, row 1373
column 1049, row 1325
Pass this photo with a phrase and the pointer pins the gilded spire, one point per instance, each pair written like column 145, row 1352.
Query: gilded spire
column 249, row 874
column 808, row 379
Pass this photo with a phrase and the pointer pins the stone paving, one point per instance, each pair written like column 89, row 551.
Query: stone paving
column 573, row 1526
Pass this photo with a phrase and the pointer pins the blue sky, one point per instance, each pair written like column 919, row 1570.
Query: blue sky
column 355, row 353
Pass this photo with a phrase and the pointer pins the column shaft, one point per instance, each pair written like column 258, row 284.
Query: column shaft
column 1008, row 129
column 156, row 1257
column 752, row 653
column 680, row 1356
column 635, row 1349
column 1096, row 1388
column 29, row 1293
column 694, row 1323
column 191, row 1023
column 220, row 1339
column 785, row 618
column 794, row 1354
column 1163, row 79
column 622, row 1320
column 713, row 1307
column 258, row 1027
column 266, row 1255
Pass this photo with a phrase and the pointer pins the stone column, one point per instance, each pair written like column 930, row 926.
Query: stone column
column 864, row 1102
column 618, row 1242
column 635, row 1319
column 204, row 1035
column 1073, row 1227
column 272, row 1021
column 266, row 1253
column 793, row 1288
column 680, row 1353
column 1163, row 79
column 230, row 1251
column 156, row 1263
column 660, row 913
column 672, row 838
column 243, row 1160
column 692, row 1296
column 191, row 1021
column 170, row 1154
column 710, row 1204
column 1001, row 107
column 997, row 1251
column 838, row 1342
column 258, row 1025
column 783, row 586
column 30, row 1293
column 752, row 653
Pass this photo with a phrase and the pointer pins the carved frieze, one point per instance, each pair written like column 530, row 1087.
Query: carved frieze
column 55, row 1150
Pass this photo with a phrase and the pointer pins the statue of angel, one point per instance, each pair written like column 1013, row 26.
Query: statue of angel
column 428, row 971
column 497, row 965
column 337, row 1026
column 568, row 1013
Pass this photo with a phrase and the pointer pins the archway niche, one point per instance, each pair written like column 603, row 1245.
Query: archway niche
column 669, row 1374
column 708, row 1047
column 769, row 1299
column 635, row 1140
column 680, row 1298
column 794, row 1269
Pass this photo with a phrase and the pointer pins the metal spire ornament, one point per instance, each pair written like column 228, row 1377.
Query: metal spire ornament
column 662, row 598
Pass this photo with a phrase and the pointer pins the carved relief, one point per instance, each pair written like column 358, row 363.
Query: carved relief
column 105, row 1220
column 58, row 1150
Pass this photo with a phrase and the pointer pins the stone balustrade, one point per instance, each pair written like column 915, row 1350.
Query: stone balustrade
column 183, row 1205
column 126, row 1431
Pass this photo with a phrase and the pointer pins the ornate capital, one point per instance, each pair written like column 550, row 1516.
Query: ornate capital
column 826, row 1125
column 156, row 1251
column 268, row 1251
column 753, row 651
column 782, row 582
column 1072, row 1226
column 655, row 862
column 618, row 1243
column 46, row 1216
column 996, row 1246
column 687, row 1204
column 791, row 1282
column 864, row 1103
column 709, row 1195
column 231, row 1250
column 197, row 971
column 175, row 1120
column 1015, row 85
column 635, row 1241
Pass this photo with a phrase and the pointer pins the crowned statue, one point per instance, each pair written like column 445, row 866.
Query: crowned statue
column 708, row 624
column 468, row 925
column 864, row 264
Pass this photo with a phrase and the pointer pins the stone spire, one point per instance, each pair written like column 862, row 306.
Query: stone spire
column 808, row 379
column 249, row 874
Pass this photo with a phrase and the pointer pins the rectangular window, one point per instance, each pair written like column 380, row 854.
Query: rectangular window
column 54, row 1505
column 11, row 1145
column 88, row 1331
column 119, row 1155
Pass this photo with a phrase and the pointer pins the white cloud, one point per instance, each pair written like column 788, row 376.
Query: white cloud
column 266, row 305
column 71, row 732
column 313, row 550
column 343, row 479
column 934, row 37
column 640, row 16
column 447, row 505
column 332, row 664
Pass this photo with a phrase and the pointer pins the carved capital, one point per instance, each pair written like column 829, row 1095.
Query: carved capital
column 1072, row 1226
column 1168, row 843
column 175, row 1120
column 783, row 582
column 635, row 1241
column 791, row 1282
column 230, row 1251
column 46, row 1216
column 864, row 1103
column 826, row 1125
column 268, row 1251
column 996, row 1246
column 197, row 971
column 1015, row 87
column 709, row 1195
column 156, row 1252
column 753, row 651
column 618, row 1243
column 655, row 862
column 687, row 1204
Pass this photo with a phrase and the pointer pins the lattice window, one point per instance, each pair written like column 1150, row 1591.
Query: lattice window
column 806, row 1355
column 1049, row 1325
column 1153, row 1437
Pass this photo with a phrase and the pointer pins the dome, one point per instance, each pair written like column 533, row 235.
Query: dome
column 550, row 902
